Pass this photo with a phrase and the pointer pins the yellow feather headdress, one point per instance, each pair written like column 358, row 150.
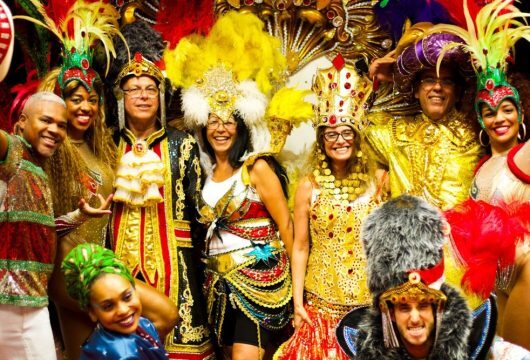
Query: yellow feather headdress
column 236, row 69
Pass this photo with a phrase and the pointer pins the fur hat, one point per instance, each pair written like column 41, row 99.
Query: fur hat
column 403, row 235
column 403, row 242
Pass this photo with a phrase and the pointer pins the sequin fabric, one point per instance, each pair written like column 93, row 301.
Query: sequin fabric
column 315, row 342
column 27, row 249
column 336, row 268
column 431, row 159
column 336, row 279
column 97, row 180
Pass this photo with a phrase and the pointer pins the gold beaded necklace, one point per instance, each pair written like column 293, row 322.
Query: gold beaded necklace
column 347, row 189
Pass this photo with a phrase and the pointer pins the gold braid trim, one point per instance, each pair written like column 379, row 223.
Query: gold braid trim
column 188, row 332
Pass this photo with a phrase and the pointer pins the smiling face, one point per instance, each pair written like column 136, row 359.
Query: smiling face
column 141, row 99
column 82, row 110
column 338, row 148
column 221, row 135
column 415, row 324
column 43, row 125
column 115, row 304
column 501, row 125
column 437, row 98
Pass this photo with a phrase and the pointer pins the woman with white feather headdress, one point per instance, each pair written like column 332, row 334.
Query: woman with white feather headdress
column 227, row 79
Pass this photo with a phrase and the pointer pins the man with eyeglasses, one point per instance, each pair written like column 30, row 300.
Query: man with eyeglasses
column 157, row 184
column 433, row 154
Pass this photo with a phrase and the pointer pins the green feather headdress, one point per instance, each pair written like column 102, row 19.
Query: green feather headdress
column 81, row 27
column 490, row 39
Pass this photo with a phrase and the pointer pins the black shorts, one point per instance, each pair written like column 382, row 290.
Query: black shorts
column 238, row 328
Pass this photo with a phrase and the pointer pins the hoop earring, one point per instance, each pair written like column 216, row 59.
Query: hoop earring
column 521, row 138
column 480, row 138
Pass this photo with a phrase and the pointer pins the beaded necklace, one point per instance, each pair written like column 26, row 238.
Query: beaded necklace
column 347, row 189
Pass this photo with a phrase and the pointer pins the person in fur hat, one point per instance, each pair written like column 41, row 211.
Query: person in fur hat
column 415, row 314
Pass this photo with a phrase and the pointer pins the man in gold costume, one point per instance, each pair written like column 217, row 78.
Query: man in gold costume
column 432, row 154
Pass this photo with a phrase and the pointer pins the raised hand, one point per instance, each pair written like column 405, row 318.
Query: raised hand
column 90, row 211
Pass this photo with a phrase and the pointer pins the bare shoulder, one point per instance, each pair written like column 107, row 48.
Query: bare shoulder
column 260, row 166
column 260, row 170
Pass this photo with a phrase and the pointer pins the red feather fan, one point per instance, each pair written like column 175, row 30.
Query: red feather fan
column 179, row 18
column 58, row 9
column 22, row 92
column 455, row 8
column 485, row 236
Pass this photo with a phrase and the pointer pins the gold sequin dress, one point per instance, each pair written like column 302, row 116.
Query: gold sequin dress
column 335, row 280
column 431, row 159
column 97, row 179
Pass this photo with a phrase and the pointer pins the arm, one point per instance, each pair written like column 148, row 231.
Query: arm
column 522, row 158
column 300, row 250
column 382, row 69
column 269, row 189
column 193, row 179
column 379, row 141
column 158, row 308
column 65, row 224
column 4, row 144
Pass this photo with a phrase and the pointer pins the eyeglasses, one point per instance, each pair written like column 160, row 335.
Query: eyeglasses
column 150, row 92
column 334, row 136
column 428, row 83
column 214, row 124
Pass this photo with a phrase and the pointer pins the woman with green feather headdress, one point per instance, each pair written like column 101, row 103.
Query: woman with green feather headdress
column 105, row 288
column 502, row 178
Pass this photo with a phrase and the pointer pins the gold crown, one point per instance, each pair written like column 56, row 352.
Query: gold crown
column 219, row 87
column 412, row 290
column 140, row 66
column 342, row 96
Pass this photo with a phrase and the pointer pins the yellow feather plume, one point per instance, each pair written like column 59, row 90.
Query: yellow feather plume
column 490, row 37
column 287, row 109
column 289, row 104
column 91, row 22
column 238, row 42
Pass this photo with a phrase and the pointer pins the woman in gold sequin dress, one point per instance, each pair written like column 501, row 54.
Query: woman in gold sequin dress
column 328, row 261
column 83, row 168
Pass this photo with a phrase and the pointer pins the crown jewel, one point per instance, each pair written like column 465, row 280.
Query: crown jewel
column 342, row 96
column 220, row 89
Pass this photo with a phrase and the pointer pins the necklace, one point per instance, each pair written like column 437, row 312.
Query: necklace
column 345, row 190
column 77, row 143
